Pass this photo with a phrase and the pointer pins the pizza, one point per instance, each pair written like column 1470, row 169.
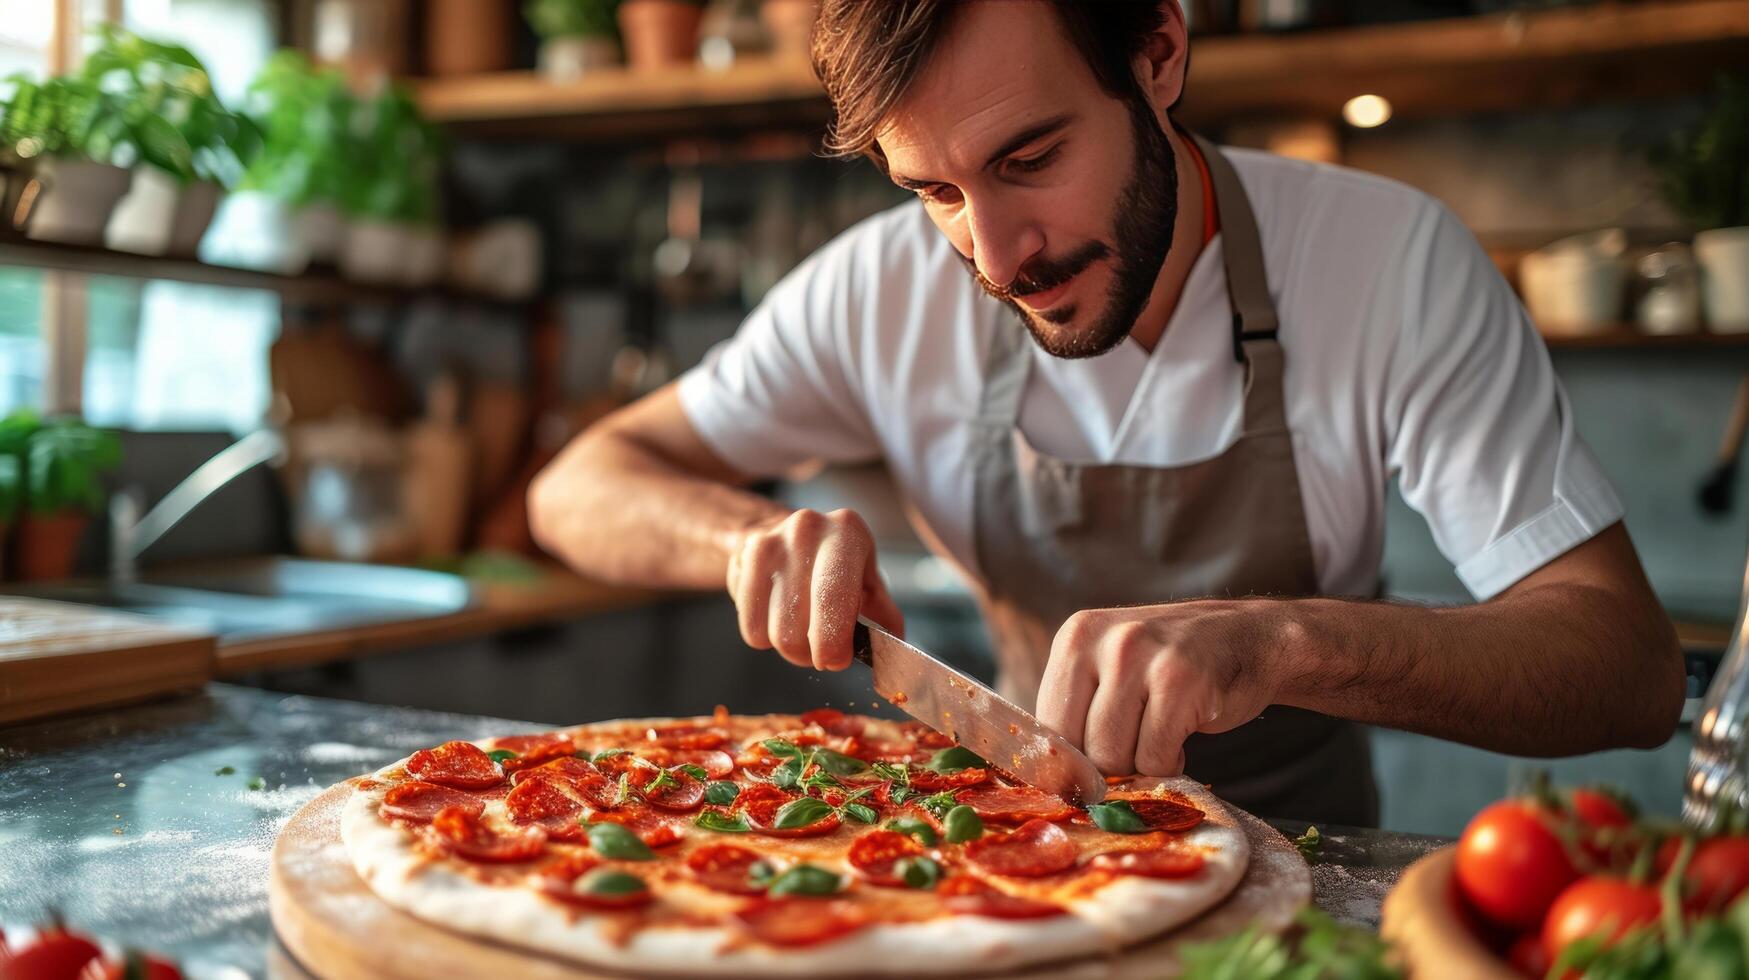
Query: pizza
column 779, row 845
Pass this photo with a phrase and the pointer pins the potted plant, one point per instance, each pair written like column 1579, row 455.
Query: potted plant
column 305, row 117
column 1705, row 170
column 64, row 132
column 391, row 193
column 576, row 35
column 62, row 461
column 178, row 181
column 660, row 33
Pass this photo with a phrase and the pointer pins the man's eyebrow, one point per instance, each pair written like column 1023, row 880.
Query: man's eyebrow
column 1016, row 142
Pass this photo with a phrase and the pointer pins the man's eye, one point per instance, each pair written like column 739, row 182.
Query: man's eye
column 1034, row 164
column 939, row 193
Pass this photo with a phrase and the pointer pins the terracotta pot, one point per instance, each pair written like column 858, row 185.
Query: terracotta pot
column 660, row 33
column 46, row 546
column 790, row 24
column 467, row 37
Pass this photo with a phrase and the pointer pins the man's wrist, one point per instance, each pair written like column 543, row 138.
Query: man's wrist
column 1306, row 649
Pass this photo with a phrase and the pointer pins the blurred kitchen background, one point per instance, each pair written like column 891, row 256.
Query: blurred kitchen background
column 379, row 259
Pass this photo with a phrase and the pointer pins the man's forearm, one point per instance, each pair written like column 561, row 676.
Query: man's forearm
column 619, row 512
column 1554, row 670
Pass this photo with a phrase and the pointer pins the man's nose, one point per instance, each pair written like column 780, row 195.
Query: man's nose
column 1001, row 246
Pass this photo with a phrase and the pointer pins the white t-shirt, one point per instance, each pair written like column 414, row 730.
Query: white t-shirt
column 1407, row 355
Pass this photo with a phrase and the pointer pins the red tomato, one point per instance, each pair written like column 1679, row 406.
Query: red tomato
column 1598, row 815
column 54, row 956
column 1718, row 872
column 149, row 968
column 1510, row 865
column 1598, row 905
column 1527, row 956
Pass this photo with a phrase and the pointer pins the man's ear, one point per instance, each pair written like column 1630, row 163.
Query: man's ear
column 1165, row 56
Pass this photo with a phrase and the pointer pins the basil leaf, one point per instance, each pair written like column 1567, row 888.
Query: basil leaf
column 954, row 759
column 721, row 793
column 839, row 764
column 663, row 779
column 787, row 775
column 891, row 772
column 722, row 823
column 613, row 841
column 801, row 813
column 500, row 755
column 610, row 882
column 257, row 783
column 962, row 824
column 608, row 754
column 918, row 871
column 919, row 829
column 861, row 812
column 805, row 879
column 782, row 747
column 940, row 803
column 697, row 772
column 1117, row 817
column 625, row 789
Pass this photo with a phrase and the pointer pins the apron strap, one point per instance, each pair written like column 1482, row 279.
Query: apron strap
column 1006, row 366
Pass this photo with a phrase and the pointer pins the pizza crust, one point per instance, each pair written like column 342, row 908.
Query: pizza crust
column 1123, row 913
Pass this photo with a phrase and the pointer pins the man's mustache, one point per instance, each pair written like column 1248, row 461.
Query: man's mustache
column 1041, row 274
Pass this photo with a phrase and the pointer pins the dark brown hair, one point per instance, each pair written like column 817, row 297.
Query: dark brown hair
column 867, row 53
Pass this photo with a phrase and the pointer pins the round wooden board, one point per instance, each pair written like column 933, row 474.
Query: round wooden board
column 1422, row 916
column 337, row 929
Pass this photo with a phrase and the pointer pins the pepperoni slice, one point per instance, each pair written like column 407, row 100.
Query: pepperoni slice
column 725, row 868
column 679, row 793
column 687, row 736
column 456, row 831
column 760, row 803
column 1015, row 804
column 418, row 802
column 540, row 802
column 1165, row 862
column 559, row 880
column 1035, row 848
column 835, row 722
column 969, row 896
column 1166, row 814
column 567, row 769
column 463, row 765
column 654, row 829
column 934, row 782
column 715, row 762
column 532, row 750
column 873, row 855
column 794, row 922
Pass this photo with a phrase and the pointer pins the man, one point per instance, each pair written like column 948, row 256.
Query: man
column 1230, row 355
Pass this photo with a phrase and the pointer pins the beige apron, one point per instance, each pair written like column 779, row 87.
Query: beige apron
column 1054, row 537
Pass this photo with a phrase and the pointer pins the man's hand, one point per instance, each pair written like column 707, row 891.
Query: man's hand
column 1128, row 685
column 799, row 582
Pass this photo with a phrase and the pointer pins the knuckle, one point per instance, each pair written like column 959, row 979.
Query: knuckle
column 805, row 522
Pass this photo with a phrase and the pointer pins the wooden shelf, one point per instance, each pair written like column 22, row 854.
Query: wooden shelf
column 1626, row 336
column 1507, row 61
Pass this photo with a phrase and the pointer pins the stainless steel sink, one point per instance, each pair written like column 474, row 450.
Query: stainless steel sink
column 239, row 600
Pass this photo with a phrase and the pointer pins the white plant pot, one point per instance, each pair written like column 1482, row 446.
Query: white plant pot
column 194, row 215
column 1723, row 254
column 318, row 233
column 142, row 219
column 427, row 254
column 1572, row 293
column 375, row 252
column 565, row 58
column 77, row 199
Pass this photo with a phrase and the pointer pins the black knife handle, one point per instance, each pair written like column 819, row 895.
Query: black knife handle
column 861, row 646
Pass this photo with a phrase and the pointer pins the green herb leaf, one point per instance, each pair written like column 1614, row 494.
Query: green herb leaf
column 801, row 813
column 919, row 829
column 805, row 879
column 789, row 773
column 500, row 755
column 721, row 793
column 257, row 783
column 624, row 795
column 1117, row 817
column 954, row 759
column 697, row 772
column 918, row 871
column 898, row 779
column 608, row 754
column 610, row 840
column 223, row 771
column 839, row 764
column 609, row 882
column 1309, row 844
column 1323, row 948
column 663, row 779
column 782, row 747
column 962, row 824
column 863, row 813
column 722, row 823
column 940, row 803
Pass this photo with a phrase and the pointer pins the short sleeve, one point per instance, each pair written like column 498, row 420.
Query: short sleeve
column 782, row 391
column 1481, row 436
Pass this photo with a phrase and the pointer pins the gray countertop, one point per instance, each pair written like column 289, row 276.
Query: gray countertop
column 125, row 822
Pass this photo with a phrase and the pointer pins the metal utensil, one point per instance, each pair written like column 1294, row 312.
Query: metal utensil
column 975, row 716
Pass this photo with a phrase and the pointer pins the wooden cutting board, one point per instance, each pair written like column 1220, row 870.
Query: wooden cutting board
column 336, row 928
column 61, row 656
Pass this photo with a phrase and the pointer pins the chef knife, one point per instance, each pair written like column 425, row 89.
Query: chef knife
column 975, row 716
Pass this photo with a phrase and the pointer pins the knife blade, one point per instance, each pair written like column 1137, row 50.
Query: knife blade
column 973, row 715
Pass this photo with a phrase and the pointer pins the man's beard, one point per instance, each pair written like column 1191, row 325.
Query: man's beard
column 1147, row 210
